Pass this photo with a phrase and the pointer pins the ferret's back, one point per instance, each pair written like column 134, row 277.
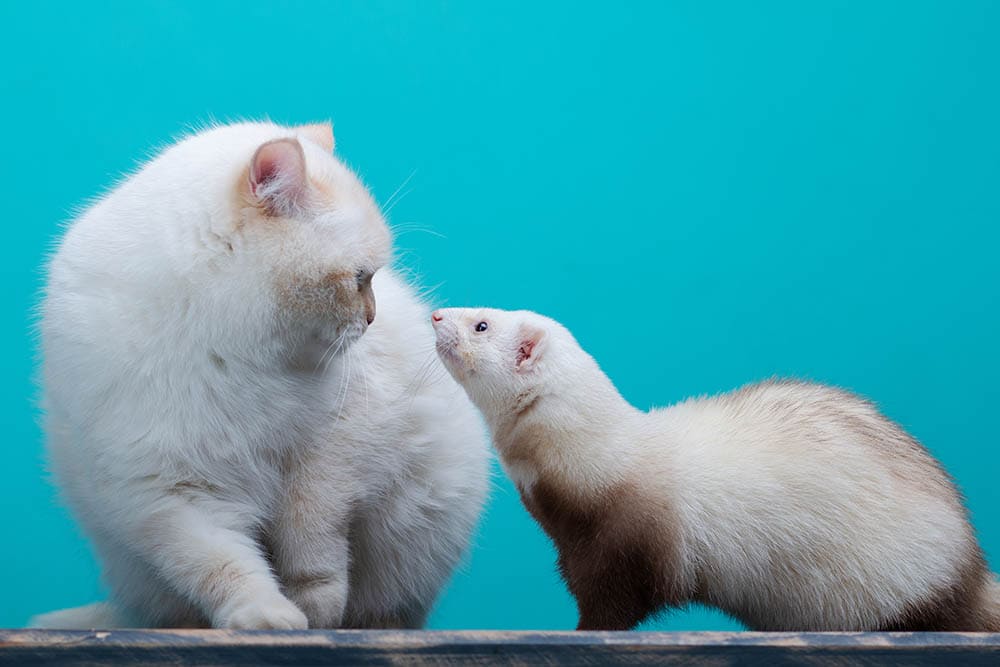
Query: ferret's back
column 797, row 419
column 780, row 474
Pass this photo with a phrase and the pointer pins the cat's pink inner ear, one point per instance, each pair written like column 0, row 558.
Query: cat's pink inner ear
column 319, row 133
column 278, row 175
column 532, row 344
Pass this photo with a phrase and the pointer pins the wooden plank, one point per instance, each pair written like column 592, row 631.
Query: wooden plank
column 347, row 647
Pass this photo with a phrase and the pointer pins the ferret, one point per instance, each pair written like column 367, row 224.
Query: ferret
column 790, row 506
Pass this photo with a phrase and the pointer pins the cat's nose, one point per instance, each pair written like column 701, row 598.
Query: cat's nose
column 369, row 303
column 437, row 316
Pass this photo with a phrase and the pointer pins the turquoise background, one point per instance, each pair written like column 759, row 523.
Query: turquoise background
column 706, row 193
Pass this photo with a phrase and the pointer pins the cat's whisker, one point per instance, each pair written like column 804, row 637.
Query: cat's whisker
column 389, row 202
column 337, row 343
column 407, row 227
column 364, row 380
column 322, row 358
column 345, row 380
column 426, row 292
column 347, row 386
column 391, row 206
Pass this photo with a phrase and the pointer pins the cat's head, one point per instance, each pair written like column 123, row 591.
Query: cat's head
column 303, row 239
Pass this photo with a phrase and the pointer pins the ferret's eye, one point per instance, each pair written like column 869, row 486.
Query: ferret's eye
column 362, row 277
column 481, row 327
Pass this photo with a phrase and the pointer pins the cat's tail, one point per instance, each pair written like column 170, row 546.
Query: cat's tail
column 99, row 615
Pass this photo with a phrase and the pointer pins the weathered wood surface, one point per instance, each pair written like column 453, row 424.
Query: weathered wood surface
column 344, row 647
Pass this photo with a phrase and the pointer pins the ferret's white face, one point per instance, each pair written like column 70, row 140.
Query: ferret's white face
column 498, row 356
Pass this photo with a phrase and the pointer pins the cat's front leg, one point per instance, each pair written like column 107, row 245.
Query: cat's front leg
column 203, row 549
column 309, row 543
column 316, row 579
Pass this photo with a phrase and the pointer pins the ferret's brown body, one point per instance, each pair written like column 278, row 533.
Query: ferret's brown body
column 618, row 562
column 619, row 556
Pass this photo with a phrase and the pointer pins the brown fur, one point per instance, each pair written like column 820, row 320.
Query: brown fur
column 969, row 605
column 334, row 294
column 618, row 555
column 524, row 447
column 619, row 551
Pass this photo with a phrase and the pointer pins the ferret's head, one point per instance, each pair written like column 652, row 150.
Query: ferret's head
column 502, row 358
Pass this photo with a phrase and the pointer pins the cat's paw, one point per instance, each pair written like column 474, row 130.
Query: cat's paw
column 322, row 601
column 270, row 612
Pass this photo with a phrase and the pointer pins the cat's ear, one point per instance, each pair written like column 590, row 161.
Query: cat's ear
column 278, row 180
column 531, row 345
column 318, row 133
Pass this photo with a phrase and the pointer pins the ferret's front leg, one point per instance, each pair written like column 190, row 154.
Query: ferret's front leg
column 615, row 589
column 608, row 614
column 309, row 543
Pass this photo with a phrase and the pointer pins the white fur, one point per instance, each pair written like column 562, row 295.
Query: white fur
column 239, row 453
column 798, row 506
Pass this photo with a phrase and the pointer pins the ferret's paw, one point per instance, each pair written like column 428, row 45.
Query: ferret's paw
column 323, row 602
column 271, row 612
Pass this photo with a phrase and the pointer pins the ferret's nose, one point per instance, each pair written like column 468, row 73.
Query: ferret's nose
column 437, row 316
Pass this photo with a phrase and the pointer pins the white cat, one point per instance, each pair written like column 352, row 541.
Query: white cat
column 241, row 451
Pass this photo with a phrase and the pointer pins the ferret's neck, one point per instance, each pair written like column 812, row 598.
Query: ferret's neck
column 576, row 433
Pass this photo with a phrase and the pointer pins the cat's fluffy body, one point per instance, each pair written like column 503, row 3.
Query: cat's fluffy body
column 789, row 505
column 240, row 450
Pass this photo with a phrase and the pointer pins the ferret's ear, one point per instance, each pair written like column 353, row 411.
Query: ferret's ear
column 531, row 346
column 319, row 133
column 278, row 179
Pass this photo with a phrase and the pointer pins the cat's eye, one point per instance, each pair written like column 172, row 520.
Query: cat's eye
column 481, row 327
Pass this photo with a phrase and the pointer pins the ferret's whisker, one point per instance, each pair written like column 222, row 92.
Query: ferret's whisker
column 427, row 371
column 417, row 379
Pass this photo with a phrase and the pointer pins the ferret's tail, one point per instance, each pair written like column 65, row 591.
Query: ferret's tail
column 99, row 615
column 989, row 609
